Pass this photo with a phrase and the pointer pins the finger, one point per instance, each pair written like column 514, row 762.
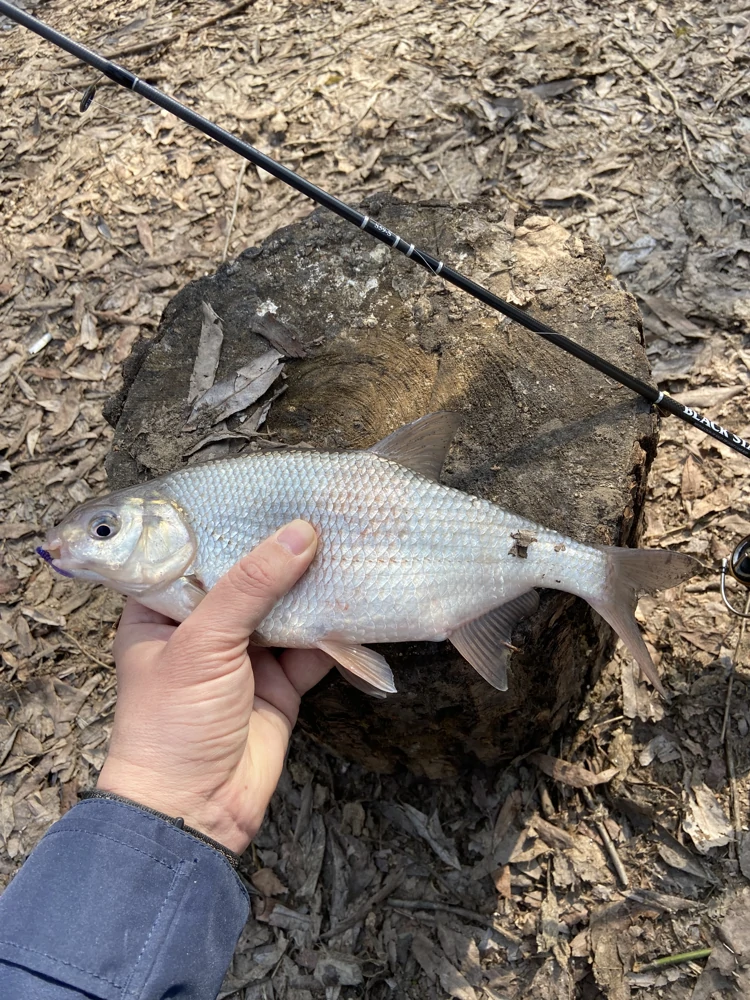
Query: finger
column 135, row 613
column 282, row 682
column 139, row 624
column 241, row 599
column 305, row 667
column 273, row 687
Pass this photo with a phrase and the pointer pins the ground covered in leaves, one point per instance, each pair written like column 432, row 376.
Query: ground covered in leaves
column 563, row 875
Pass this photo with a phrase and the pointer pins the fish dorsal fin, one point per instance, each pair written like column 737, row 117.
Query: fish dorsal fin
column 421, row 445
column 485, row 641
column 364, row 664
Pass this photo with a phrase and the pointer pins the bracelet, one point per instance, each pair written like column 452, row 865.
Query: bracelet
column 179, row 822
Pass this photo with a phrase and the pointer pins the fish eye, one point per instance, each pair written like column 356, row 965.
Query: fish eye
column 104, row 525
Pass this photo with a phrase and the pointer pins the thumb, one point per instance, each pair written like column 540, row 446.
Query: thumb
column 241, row 599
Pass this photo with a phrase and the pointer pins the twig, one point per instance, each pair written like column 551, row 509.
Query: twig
column 726, row 739
column 513, row 197
column 652, row 73
column 685, row 123
column 86, row 652
column 598, row 811
column 392, row 883
column 689, row 152
column 683, row 956
column 240, row 175
column 506, row 153
column 448, row 183
column 727, row 702
column 139, row 47
column 459, row 911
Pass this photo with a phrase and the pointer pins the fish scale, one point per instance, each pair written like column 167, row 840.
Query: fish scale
column 378, row 574
column 400, row 557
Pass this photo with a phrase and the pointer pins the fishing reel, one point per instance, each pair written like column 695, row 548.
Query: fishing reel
column 738, row 565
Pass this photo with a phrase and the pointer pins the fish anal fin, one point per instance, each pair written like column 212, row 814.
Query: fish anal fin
column 364, row 664
column 359, row 684
column 485, row 641
column 423, row 444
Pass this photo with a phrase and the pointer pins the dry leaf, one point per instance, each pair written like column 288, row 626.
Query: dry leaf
column 88, row 337
column 501, row 878
column 46, row 616
column 89, row 232
column 185, row 165
column 240, row 391
column 266, row 881
column 16, row 529
column 705, row 821
column 719, row 500
column 431, row 831
column 32, row 439
column 124, row 343
column 338, row 970
column 709, row 643
column 709, row 395
column 660, row 746
column 436, row 964
column 727, row 971
column 208, row 353
column 144, row 235
column 549, row 923
column 676, row 856
column 66, row 415
column 692, row 480
column 279, row 335
column 462, row 951
column 574, row 775
column 225, row 175
column 669, row 313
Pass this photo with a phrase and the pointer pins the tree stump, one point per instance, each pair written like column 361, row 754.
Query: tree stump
column 542, row 434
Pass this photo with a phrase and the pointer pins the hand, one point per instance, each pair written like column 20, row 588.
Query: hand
column 203, row 721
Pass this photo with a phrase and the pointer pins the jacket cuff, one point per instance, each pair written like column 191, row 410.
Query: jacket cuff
column 119, row 903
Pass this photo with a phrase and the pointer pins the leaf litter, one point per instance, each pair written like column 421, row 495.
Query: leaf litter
column 639, row 136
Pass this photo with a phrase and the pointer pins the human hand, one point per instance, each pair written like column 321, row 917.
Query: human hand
column 202, row 722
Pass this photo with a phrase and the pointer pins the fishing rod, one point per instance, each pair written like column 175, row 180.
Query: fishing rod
column 119, row 75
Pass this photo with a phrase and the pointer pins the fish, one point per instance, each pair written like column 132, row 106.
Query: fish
column 400, row 557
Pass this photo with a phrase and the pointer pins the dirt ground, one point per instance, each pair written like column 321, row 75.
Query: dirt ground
column 628, row 122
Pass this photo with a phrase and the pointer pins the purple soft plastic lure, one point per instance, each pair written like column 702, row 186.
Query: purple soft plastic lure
column 48, row 559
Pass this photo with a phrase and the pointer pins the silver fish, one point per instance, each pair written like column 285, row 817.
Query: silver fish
column 401, row 557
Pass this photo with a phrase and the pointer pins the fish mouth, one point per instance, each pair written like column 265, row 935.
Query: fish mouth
column 52, row 552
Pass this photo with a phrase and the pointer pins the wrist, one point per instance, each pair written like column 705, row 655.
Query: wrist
column 178, row 823
column 202, row 814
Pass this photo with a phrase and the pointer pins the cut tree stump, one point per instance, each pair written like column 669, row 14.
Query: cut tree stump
column 542, row 434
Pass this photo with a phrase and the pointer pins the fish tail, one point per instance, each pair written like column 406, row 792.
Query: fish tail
column 629, row 573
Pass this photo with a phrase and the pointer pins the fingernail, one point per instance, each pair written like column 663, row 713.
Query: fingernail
column 297, row 536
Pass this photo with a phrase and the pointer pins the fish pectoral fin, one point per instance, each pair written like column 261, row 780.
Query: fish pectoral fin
column 485, row 642
column 423, row 444
column 365, row 666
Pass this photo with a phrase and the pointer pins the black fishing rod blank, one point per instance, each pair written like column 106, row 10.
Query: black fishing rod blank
column 372, row 227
